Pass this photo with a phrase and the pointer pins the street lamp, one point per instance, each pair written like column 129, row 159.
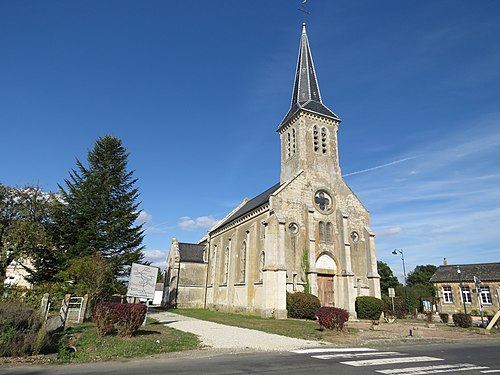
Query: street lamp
column 400, row 251
column 461, row 288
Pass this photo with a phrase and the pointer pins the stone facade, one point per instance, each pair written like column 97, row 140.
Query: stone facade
column 309, row 232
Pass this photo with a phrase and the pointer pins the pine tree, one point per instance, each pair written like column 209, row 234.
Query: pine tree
column 101, row 209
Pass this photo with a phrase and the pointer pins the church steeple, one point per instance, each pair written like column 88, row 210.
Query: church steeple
column 306, row 95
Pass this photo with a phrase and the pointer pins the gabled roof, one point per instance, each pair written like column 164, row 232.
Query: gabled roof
column 191, row 252
column 484, row 271
column 249, row 206
column 306, row 95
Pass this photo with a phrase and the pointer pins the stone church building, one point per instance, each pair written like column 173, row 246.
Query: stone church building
column 309, row 232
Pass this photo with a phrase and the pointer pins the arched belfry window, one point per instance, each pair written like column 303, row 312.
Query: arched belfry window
column 323, row 140
column 288, row 145
column 243, row 261
column 293, row 141
column 315, row 138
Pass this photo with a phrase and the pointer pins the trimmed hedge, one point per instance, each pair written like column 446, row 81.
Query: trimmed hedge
column 462, row 320
column 332, row 317
column 444, row 317
column 302, row 305
column 368, row 307
column 123, row 318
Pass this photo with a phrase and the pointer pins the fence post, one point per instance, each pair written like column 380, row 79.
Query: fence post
column 44, row 306
column 83, row 308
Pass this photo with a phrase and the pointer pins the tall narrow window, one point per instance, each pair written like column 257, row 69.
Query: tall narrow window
column 243, row 261
column 226, row 266
column 262, row 263
column 328, row 232
column 293, row 141
column 321, row 229
column 315, row 138
column 288, row 145
column 447, row 294
column 485, row 295
column 323, row 140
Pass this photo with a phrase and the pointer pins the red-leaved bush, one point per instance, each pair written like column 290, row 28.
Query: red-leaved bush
column 124, row 318
column 332, row 317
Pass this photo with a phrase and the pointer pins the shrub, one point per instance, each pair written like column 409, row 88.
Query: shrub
column 444, row 317
column 332, row 317
column 429, row 316
column 368, row 307
column 462, row 320
column 302, row 305
column 20, row 330
column 124, row 318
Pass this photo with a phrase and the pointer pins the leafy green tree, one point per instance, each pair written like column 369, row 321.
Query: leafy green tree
column 421, row 276
column 101, row 209
column 8, row 214
column 387, row 278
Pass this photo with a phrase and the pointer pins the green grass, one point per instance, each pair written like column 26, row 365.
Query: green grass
column 154, row 338
column 301, row 329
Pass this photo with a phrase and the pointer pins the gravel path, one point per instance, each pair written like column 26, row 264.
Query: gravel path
column 220, row 336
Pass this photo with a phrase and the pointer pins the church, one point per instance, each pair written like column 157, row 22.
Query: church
column 308, row 232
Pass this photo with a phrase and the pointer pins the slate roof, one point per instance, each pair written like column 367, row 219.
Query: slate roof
column 251, row 205
column 306, row 95
column 485, row 272
column 191, row 252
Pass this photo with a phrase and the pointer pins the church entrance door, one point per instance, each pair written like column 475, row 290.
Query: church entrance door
column 325, row 290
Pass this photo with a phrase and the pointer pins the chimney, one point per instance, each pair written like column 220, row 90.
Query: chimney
column 445, row 262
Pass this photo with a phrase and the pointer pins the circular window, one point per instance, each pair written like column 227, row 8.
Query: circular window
column 323, row 201
column 294, row 228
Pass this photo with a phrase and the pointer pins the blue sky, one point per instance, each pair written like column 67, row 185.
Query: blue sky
column 197, row 89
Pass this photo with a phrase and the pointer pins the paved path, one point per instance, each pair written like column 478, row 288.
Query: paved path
column 220, row 336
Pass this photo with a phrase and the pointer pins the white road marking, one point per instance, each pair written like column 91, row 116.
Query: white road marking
column 436, row 369
column 332, row 350
column 490, row 371
column 356, row 355
column 386, row 361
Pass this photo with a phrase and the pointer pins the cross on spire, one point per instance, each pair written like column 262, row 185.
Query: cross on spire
column 303, row 9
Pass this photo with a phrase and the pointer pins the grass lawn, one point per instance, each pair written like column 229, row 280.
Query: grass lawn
column 302, row 329
column 154, row 338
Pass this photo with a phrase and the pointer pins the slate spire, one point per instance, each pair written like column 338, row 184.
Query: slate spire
column 306, row 95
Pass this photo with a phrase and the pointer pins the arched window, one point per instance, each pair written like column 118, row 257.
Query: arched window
column 226, row 266
column 262, row 263
column 321, row 228
column 293, row 141
column 243, row 261
column 288, row 145
column 328, row 232
column 323, row 140
column 315, row 138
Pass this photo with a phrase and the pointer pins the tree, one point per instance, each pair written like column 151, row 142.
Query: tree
column 387, row 278
column 421, row 276
column 28, row 233
column 101, row 209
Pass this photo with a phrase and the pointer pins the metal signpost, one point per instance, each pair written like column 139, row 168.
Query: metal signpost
column 392, row 294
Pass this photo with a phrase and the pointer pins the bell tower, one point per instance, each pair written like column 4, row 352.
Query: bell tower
column 308, row 132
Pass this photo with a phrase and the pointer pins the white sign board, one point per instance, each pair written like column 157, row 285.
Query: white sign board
column 142, row 281
column 391, row 292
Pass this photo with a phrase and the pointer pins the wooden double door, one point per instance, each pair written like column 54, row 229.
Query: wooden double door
column 326, row 290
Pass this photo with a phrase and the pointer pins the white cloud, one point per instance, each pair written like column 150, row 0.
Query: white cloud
column 144, row 217
column 389, row 232
column 206, row 222
column 158, row 258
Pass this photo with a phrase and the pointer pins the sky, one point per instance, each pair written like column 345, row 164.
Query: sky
column 196, row 91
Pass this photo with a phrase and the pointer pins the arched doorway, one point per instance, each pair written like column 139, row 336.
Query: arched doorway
column 326, row 268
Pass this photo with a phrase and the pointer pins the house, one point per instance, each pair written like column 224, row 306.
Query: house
column 480, row 287
column 308, row 232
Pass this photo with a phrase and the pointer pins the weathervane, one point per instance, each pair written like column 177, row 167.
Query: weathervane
column 303, row 9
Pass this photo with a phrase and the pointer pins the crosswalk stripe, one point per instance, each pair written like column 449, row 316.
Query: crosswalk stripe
column 355, row 355
column 332, row 350
column 435, row 369
column 385, row 361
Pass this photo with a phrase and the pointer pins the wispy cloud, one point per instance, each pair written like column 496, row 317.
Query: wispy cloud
column 206, row 222
column 144, row 217
column 157, row 258
column 379, row 166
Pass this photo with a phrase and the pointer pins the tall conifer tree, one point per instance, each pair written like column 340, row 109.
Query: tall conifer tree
column 101, row 208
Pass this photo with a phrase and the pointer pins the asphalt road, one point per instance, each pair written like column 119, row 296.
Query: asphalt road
column 408, row 360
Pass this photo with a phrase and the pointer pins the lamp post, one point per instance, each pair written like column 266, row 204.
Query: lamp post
column 461, row 289
column 400, row 251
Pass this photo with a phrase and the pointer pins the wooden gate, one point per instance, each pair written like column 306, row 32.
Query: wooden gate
column 326, row 290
